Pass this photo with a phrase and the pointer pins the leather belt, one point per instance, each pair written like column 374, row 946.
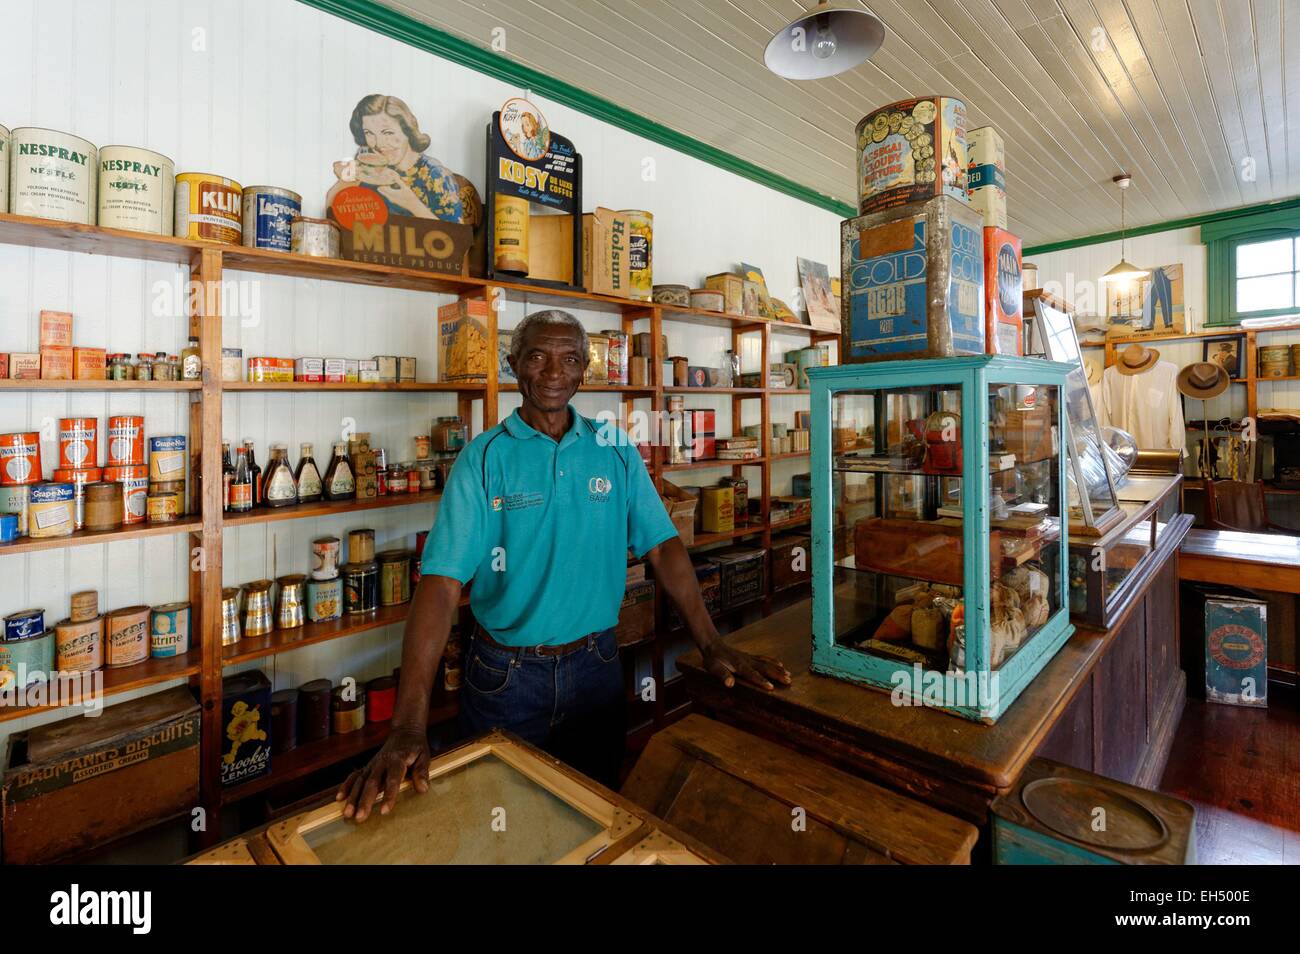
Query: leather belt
column 563, row 649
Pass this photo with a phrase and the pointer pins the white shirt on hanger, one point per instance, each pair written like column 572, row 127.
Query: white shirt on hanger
column 1146, row 405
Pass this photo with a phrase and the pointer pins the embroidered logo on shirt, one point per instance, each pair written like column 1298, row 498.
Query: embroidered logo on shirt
column 496, row 503
column 598, row 489
column 519, row 501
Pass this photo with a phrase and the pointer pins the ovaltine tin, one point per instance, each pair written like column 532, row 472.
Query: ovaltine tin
column 169, row 630
column 126, row 641
column 1002, row 292
column 289, row 612
column 78, row 442
column 135, row 491
column 913, row 281
column 269, row 212
column 167, row 458
column 24, row 624
column 230, row 632
column 4, row 169
column 911, row 151
column 208, row 207
column 79, row 645
column 125, row 440
column 52, row 512
column 52, row 175
column 20, row 458
column 135, row 189
column 324, row 558
column 324, row 599
column 316, row 237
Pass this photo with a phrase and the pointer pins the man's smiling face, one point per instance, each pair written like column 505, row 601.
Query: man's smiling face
column 550, row 366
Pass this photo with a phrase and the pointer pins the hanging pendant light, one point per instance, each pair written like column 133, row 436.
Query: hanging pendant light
column 824, row 40
column 1125, row 271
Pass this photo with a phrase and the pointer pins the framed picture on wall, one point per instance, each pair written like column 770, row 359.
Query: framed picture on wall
column 1226, row 352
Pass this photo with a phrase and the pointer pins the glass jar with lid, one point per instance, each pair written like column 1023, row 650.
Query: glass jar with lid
column 450, row 434
column 144, row 366
column 118, row 368
column 162, row 370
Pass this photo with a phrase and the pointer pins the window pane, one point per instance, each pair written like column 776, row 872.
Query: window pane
column 1265, row 258
column 1259, row 294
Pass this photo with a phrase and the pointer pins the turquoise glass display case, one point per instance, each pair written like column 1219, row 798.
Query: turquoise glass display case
column 940, row 567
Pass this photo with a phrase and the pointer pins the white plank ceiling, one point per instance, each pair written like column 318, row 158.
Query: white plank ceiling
column 1198, row 99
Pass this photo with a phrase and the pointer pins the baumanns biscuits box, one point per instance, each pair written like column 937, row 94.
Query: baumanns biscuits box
column 913, row 281
column 74, row 784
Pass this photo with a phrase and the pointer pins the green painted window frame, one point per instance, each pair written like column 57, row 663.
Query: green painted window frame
column 1221, row 240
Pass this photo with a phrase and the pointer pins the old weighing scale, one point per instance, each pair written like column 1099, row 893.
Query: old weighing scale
column 497, row 800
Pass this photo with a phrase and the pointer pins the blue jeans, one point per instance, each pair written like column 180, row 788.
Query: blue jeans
column 571, row 706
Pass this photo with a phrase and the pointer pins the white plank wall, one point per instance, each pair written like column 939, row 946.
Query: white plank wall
column 261, row 91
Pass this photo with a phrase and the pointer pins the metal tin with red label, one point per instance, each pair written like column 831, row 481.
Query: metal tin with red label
column 79, row 479
column 135, row 490
column 78, row 442
column 125, row 440
column 20, row 458
column 209, row 207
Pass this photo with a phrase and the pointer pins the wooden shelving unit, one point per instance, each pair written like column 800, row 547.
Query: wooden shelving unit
column 151, row 672
column 207, row 262
column 81, row 538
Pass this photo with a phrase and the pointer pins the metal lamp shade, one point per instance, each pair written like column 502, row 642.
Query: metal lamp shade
column 858, row 34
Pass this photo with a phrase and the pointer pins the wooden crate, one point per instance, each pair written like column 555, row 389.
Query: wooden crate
column 74, row 785
column 755, row 802
column 636, row 616
column 787, row 571
column 1059, row 815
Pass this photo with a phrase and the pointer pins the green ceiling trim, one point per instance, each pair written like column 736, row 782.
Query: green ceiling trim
column 399, row 26
column 1280, row 205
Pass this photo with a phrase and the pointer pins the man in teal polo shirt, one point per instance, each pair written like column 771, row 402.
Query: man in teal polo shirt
column 540, row 512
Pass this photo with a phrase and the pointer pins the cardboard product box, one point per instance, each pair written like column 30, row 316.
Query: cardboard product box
column 406, row 369
column 309, row 369
column 75, row 784
column 635, row 573
column 387, row 368
column 681, row 508
column 350, row 372
column 1029, row 433
column 913, row 280
column 719, row 510
column 739, row 497
column 709, row 577
column 680, row 376
column 4, row 365
column 699, row 432
column 742, row 575
column 335, row 370
column 266, row 370
column 733, row 291
column 606, row 262
column 56, row 329
column 550, row 247
column 636, row 614
column 791, row 560
column 638, row 371
column 245, row 727
column 367, row 370
column 24, row 366
column 1003, row 293
column 56, row 363
column 89, row 364
column 986, row 178
column 463, row 341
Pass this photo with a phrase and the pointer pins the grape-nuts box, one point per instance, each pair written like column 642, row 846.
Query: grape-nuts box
column 913, row 280
column 245, row 727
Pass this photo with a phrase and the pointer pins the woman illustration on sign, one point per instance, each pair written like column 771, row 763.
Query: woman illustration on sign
column 532, row 140
column 391, row 161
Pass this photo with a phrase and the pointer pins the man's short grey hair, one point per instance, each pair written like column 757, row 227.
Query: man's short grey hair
column 551, row 316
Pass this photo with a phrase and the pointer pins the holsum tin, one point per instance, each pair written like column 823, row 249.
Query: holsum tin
column 52, row 175
column 135, row 189
column 268, row 214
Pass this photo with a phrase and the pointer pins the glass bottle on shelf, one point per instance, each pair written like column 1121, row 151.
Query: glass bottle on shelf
column 191, row 363
column 340, row 483
column 308, row 476
column 144, row 366
column 278, row 486
column 241, row 483
column 162, row 369
column 227, row 475
column 254, row 473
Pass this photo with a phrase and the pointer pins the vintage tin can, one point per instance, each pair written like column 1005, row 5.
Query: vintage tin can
column 394, row 577
column 52, row 175
column 986, row 180
column 1236, row 650
column 135, row 190
column 679, row 296
column 289, row 610
column 314, row 710
column 163, row 507
column 381, row 697
column 347, row 714
column 911, row 151
column 126, row 639
column 318, row 238
column 230, row 632
column 4, row 169
column 360, row 587
column 640, row 253
column 24, row 624
column 616, row 360
column 268, row 214
column 324, row 558
column 103, row 508
column 78, row 442
column 169, row 630
column 1003, row 293
column 52, row 511
column 208, row 207
column 84, row 606
column 26, row 661
column 167, row 458
column 246, row 715
column 80, row 480
column 284, row 721
column 324, row 599
column 79, row 644
column 125, row 440
column 913, row 281
column 8, row 527
column 20, row 458
column 14, row 501
column 135, row 491
column 232, row 364
column 361, row 545
column 258, row 615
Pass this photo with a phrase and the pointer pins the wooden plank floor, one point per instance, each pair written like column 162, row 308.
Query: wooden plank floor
column 1241, row 769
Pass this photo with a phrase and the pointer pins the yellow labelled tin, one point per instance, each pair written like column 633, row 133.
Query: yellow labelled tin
column 52, row 510
column 169, row 630
column 4, row 169
column 79, row 645
column 164, row 507
column 324, row 599
column 209, row 207
column 640, row 252
column 135, row 190
column 510, row 235
column 394, row 577
column 52, row 175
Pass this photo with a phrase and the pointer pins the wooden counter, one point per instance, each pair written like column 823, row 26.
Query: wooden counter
column 1108, row 702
